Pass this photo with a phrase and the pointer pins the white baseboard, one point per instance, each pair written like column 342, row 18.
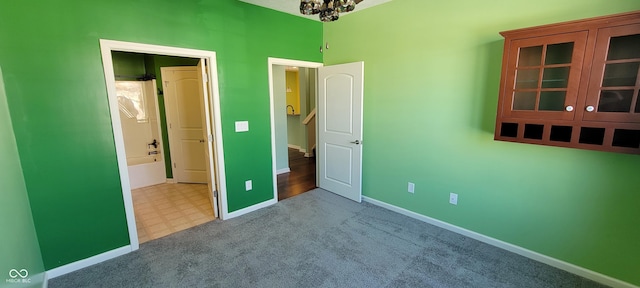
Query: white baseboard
column 294, row 146
column 310, row 154
column 586, row 273
column 297, row 148
column 36, row 278
column 251, row 209
column 171, row 181
column 282, row 171
column 71, row 267
column 65, row 269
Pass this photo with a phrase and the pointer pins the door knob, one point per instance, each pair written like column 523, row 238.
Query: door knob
column 357, row 142
column 201, row 140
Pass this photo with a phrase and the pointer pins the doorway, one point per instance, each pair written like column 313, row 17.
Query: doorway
column 153, row 116
column 339, row 125
column 293, row 125
column 302, row 175
column 211, row 123
column 164, row 209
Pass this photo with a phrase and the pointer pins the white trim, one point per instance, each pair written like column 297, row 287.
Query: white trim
column 310, row 153
column 106, row 47
column 65, row 269
column 292, row 146
column 300, row 149
column 252, row 208
column 171, row 181
column 284, row 170
column 283, row 62
column 210, row 92
column 571, row 268
column 216, row 115
column 45, row 280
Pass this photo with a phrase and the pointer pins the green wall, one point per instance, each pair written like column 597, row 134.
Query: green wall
column 128, row 66
column 432, row 70
column 61, row 118
column 19, row 247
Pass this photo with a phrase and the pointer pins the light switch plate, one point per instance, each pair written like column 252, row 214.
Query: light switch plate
column 453, row 198
column 248, row 185
column 242, row 126
column 411, row 187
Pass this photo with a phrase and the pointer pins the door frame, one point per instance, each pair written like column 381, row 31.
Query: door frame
column 283, row 62
column 212, row 105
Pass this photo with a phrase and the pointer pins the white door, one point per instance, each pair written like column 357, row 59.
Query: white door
column 340, row 94
column 185, row 111
column 207, row 123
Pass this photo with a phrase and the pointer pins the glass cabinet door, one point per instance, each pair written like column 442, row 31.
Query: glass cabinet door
column 543, row 76
column 615, row 79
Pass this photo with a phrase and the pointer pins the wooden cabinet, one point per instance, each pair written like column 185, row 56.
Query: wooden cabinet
column 574, row 84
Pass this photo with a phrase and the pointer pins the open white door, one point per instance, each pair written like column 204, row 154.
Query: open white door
column 184, row 108
column 207, row 124
column 340, row 94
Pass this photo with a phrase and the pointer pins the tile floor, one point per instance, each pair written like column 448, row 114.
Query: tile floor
column 168, row 208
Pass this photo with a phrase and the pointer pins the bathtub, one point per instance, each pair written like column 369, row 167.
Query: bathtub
column 146, row 171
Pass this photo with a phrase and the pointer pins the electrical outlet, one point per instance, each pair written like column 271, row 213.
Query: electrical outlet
column 248, row 185
column 453, row 198
column 411, row 188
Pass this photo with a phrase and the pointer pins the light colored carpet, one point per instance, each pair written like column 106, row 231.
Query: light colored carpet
column 319, row 239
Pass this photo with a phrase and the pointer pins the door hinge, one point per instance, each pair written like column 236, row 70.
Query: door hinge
column 215, row 193
column 170, row 126
column 174, row 165
column 210, row 137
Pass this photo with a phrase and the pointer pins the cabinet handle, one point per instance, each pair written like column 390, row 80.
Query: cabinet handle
column 590, row 108
column 569, row 108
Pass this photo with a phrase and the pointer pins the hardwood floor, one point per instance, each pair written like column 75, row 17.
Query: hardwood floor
column 302, row 177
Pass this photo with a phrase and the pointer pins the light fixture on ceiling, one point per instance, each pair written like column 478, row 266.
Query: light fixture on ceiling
column 329, row 10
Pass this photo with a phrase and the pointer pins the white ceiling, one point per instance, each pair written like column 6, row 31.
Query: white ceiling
column 293, row 6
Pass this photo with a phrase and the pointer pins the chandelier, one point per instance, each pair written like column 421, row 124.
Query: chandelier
column 329, row 10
